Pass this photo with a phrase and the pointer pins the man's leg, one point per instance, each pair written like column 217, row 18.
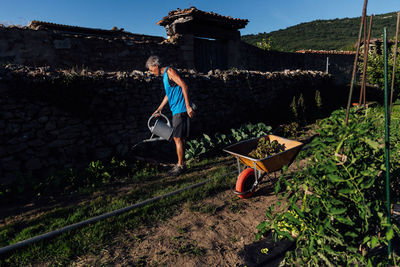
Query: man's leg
column 180, row 150
column 180, row 123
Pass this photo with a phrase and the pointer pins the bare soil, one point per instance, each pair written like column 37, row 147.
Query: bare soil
column 217, row 231
column 213, row 236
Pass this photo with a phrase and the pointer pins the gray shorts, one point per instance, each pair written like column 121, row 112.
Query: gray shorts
column 181, row 125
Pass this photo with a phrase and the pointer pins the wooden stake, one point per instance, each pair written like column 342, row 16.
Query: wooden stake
column 394, row 63
column 355, row 62
column 363, row 86
column 364, row 62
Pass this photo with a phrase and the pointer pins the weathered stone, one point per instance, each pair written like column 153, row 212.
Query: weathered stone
column 10, row 164
column 11, row 149
column 33, row 164
column 122, row 149
column 36, row 143
column 8, row 177
column 8, row 115
column 103, row 153
column 62, row 44
column 50, row 126
column 43, row 119
column 30, row 125
column 59, row 143
column 12, row 128
column 3, row 152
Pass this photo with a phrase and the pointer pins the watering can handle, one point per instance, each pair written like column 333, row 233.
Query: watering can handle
column 162, row 115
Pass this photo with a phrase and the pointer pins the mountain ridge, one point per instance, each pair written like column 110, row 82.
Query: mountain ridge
column 333, row 34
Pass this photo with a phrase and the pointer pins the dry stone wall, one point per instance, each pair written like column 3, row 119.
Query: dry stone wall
column 127, row 52
column 51, row 120
column 340, row 65
column 64, row 50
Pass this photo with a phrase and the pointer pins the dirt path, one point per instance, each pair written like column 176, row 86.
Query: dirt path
column 217, row 231
column 210, row 233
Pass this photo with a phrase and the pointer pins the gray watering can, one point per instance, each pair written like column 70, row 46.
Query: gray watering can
column 162, row 129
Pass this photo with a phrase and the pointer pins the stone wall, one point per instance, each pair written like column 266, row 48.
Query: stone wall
column 340, row 64
column 127, row 52
column 119, row 52
column 51, row 120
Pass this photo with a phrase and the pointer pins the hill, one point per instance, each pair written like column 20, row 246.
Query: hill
column 335, row 34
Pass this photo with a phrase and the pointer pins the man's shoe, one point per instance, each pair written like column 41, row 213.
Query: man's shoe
column 176, row 170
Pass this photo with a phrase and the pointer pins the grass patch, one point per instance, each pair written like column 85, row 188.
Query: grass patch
column 90, row 239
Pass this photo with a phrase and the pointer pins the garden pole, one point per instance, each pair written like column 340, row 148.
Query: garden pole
column 353, row 77
column 366, row 49
column 365, row 46
column 366, row 64
column 394, row 63
column 387, row 165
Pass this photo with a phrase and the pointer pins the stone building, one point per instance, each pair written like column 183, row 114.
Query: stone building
column 376, row 45
column 207, row 40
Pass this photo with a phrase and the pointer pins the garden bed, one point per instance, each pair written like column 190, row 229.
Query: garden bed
column 205, row 226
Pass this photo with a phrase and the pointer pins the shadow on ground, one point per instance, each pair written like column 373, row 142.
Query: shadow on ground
column 255, row 255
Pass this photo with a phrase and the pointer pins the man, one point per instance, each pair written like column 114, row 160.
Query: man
column 177, row 95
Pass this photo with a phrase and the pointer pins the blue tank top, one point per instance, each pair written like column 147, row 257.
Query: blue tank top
column 175, row 96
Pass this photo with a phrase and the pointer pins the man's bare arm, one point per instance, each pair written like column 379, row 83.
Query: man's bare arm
column 185, row 90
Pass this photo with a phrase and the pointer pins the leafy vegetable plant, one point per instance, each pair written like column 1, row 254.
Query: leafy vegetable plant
column 335, row 208
column 205, row 144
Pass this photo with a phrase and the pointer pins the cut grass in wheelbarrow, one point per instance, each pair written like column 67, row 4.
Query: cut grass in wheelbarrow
column 256, row 169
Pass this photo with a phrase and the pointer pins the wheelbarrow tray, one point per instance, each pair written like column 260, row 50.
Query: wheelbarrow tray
column 269, row 164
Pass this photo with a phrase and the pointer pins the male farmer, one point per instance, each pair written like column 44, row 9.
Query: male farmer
column 177, row 95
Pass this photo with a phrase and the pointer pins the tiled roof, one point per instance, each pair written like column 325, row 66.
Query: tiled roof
column 192, row 11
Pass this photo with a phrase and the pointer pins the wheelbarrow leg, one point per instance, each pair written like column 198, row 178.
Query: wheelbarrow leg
column 238, row 165
column 257, row 175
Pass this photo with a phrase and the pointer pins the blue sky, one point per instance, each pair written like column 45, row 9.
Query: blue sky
column 141, row 16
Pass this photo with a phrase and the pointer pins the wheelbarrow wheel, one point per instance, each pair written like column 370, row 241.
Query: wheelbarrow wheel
column 245, row 182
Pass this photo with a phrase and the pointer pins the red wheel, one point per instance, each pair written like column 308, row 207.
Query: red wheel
column 245, row 182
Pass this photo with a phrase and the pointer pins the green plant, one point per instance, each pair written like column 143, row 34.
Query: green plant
column 206, row 144
column 298, row 109
column 265, row 43
column 291, row 130
column 190, row 248
column 335, row 207
column 266, row 147
column 374, row 73
column 96, row 175
column 294, row 109
column 318, row 100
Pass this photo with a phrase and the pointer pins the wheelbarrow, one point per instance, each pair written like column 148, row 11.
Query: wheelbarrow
column 255, row 169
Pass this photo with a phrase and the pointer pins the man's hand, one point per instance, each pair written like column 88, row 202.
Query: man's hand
column 190, row 112
column 156, row 113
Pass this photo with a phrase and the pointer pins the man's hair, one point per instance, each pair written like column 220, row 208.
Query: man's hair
column 153, row 61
